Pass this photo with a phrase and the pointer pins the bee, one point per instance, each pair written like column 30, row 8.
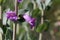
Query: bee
column 20, row 18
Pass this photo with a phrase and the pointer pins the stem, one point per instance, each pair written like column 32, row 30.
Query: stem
column 1, row 19
column 14, row 31
column 0, row 11
column 6, row 34
column 1, row 16
column 15, row 25
column 40, row 35
column 35, row 5
column 0, row 36
column 17, row 29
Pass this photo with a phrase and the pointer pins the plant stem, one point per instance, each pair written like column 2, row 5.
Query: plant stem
column 40, row 36
column 42, row 14
column 15, row 25
column 6, row 34
column 1, row 20
column 35, row 5
column 14, row 31
column 0, row 11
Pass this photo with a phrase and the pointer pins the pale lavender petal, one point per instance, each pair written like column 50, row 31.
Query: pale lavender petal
column 29, row 19
column 26, row 17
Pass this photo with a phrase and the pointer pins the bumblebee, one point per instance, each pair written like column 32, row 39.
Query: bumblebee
column 20, row 18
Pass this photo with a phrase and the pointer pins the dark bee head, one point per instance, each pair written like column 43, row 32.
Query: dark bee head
column 21, row 19
column 21, row 16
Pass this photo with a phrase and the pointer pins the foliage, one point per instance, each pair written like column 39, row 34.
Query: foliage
column 24, row 30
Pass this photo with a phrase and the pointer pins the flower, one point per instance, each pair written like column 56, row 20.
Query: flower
column 19, row 1
column 30, row 20
column 12, row 15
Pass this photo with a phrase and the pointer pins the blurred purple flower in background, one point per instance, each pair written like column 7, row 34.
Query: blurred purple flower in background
column 12, row 15
column 30, row 20
column 19, row 1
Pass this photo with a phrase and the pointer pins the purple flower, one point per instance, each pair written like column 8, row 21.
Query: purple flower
column 30, row 20
column 12, row 15
column 19, row 1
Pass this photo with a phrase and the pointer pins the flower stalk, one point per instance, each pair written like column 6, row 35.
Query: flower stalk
column 1, row 21
column 42, row 14
column 15, row 24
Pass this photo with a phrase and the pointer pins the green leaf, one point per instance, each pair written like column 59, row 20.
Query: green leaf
column 30, row 6
column 35, row 12
column 0, row 1
column 8, row 4
column 24, row 4
column 41, row 27
column 20, row 6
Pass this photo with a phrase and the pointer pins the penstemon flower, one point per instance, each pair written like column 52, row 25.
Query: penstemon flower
column 12, row 15
column 30, row 20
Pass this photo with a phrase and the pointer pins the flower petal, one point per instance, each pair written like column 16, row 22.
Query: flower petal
column 11, row 15
column 19, row 1
column 26, row 17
